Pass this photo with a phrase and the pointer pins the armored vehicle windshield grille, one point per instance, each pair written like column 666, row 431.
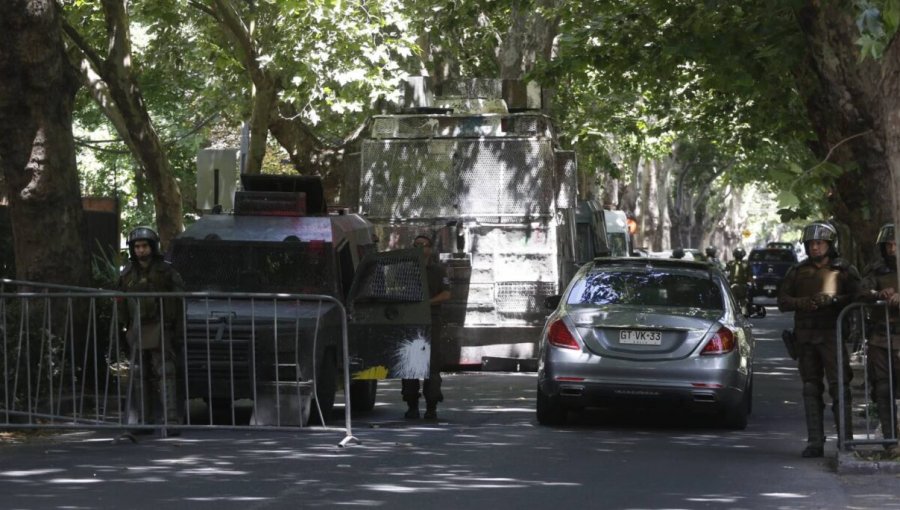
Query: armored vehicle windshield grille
column 393, row 279
column 241, row 266
column 449, row 178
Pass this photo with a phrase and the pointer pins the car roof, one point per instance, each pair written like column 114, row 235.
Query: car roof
column 772, row 255
column 651, row 263
column 770, row 249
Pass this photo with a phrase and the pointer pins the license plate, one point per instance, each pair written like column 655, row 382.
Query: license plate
column 639, row 337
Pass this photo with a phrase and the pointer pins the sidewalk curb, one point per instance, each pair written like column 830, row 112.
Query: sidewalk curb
column 847, row 463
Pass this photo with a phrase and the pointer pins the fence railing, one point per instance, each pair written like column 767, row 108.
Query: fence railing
column 866, row 311
column 73, row 357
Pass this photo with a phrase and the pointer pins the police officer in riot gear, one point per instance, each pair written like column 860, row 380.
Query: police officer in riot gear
column 712, row 258
column 738, row 272
column 438, row 292
column 816, row 290
column 150, row 324
column 880, row 284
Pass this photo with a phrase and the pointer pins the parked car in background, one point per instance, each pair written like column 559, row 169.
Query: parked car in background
column 782, row 245
column 767, row 268
column 632, row 330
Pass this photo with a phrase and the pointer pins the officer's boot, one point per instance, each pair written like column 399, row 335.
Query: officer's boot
column 430, row 410
column 140, row 400
column 169, row 395
column 884, row 415
column 815, row 427
column 412, row 411
column 172, row 408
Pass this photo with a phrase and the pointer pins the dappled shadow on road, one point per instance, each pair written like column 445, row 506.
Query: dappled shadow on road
column 484, row 452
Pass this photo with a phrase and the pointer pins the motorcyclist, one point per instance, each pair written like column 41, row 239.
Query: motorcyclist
column 816, row 290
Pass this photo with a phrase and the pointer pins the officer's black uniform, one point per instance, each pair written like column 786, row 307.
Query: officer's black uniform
column 438, row 282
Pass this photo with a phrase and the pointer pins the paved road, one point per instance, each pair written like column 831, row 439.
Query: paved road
column 487, row 451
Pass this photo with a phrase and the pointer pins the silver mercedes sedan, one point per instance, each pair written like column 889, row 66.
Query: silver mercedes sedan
column 639, row 331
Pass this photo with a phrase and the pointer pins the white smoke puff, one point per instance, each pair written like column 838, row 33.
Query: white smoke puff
column 412, row 357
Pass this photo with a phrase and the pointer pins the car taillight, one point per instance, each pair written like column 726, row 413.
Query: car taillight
column 559, row 336
column 720, row 343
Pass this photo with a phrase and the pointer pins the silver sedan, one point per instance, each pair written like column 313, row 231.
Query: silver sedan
column 631, row 331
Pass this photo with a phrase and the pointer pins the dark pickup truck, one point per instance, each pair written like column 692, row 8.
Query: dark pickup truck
column 768, row 267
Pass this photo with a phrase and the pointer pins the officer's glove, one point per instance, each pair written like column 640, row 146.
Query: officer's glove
column 895, row 300
column 820, row 300
column 805, row 304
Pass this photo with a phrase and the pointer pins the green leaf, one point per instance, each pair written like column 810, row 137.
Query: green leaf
column 788, row 199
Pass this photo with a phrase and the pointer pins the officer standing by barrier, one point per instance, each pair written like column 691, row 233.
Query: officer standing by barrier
column 151, row 331
column 880, row 284
column 816, row 290
column 438, row 291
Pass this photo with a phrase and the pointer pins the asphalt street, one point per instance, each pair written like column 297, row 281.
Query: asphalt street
column 486, row 451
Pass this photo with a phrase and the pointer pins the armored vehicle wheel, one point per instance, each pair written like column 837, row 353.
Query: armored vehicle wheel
column 363, row 394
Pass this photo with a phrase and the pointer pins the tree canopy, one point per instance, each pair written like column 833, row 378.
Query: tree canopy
column 696, row 99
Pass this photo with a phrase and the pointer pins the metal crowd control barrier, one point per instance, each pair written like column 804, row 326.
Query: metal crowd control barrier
column 878, row 307
column 68, row 361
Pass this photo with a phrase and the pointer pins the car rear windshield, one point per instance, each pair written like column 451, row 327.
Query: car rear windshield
column 772, row 256
column 647, row 288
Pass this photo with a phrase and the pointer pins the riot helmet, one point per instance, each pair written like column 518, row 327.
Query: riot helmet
column 678, row 253
column 711, row 252
column 885, row 235
column 820, row 231
column 739, row 253
column 143, row 234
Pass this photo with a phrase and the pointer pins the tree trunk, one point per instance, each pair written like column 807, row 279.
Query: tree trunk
column 651, row 209
column 529, row 38
column 115, row 88
column 845, row 104
column 890, row 126
column 37, row 150
column 664, row 237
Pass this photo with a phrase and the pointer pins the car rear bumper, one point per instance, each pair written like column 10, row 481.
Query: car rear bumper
column 679, row 384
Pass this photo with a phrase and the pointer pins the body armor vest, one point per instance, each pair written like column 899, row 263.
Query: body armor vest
column 880, row 277
column 806, row 280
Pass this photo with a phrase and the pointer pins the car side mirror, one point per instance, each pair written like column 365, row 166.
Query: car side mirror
column 551, row 302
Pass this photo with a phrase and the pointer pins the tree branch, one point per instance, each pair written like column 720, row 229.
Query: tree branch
column 204, row 9
column 95, row 60
column 119, row 41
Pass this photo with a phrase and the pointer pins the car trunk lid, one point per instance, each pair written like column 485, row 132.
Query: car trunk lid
column 644, row 334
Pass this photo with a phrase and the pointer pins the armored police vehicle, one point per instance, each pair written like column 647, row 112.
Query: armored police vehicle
column 282, row 239
column 478, row 168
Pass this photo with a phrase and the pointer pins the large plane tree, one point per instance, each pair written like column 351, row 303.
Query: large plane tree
column 37, row 152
